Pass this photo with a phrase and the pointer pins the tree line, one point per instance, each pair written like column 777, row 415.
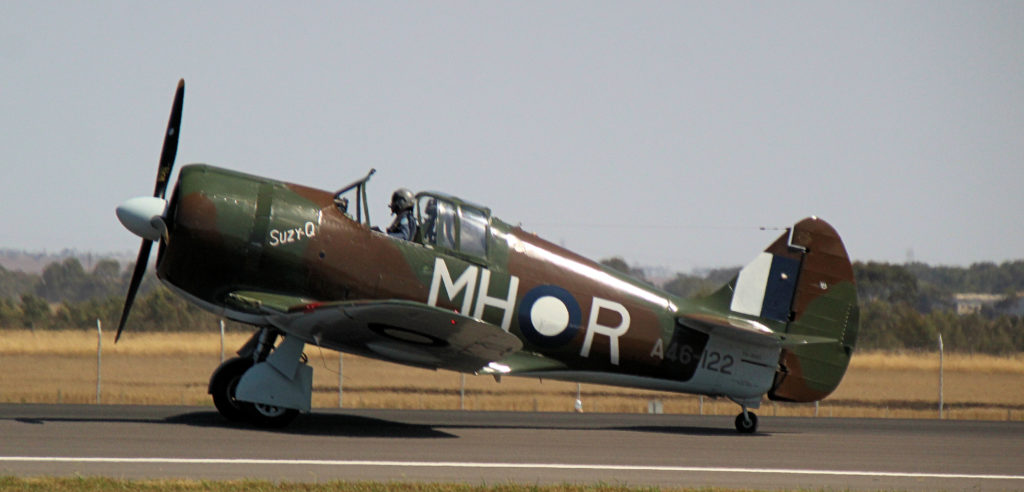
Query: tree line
column 903, row 306
column 65, row 295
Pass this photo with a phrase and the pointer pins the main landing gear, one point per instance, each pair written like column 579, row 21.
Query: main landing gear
column 223, row 385
column 275, row 383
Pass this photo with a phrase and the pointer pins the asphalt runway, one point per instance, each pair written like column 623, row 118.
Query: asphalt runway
column 501, row 447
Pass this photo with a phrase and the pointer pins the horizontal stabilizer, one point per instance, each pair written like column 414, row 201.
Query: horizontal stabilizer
column 731, row 327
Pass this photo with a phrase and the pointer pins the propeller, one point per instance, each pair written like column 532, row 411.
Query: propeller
column 144, row 216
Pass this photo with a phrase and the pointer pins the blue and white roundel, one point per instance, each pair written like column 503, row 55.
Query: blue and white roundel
column 549, row 316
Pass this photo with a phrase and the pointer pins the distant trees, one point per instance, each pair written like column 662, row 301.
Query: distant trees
column 908, row 306
column 14, row 283
column 687, row 285
column 67, row 281
column 34, row 311
column 619, row 264
column 65, row 295
column 985, row 277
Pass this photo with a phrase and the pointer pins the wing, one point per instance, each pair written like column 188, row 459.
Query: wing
column 406, row 332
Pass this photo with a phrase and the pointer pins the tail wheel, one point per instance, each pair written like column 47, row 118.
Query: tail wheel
column 746, row 422
column 223, row 383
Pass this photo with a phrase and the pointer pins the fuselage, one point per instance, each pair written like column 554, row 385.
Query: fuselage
column 230, row 232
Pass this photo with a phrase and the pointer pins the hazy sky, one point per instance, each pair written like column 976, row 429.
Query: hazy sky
column 663, row 132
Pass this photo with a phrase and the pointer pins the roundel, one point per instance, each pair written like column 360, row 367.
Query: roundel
column 549, row 316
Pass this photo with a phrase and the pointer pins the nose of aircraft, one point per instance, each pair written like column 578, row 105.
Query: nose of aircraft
column 143, row 216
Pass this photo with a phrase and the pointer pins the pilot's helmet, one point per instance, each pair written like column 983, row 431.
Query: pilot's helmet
column 401, row 200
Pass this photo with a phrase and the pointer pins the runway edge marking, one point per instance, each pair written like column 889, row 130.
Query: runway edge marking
column 447, row 464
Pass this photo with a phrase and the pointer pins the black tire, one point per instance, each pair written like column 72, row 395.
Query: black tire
column 746, row 425
column 223, row 383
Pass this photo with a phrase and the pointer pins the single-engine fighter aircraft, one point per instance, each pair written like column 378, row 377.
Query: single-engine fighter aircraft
column 471, row 293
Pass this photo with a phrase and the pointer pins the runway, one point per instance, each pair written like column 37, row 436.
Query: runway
column 501, row 447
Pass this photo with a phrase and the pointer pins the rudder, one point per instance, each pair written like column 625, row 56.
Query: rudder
column 824, row 305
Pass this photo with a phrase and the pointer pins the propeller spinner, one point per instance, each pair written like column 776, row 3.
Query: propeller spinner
column 143, row 216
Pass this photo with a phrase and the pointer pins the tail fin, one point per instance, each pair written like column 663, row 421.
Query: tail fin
column 802, row 286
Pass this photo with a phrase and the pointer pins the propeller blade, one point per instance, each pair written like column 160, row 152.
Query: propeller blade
column 133, row 288
column 163, row 175
column 170, row 150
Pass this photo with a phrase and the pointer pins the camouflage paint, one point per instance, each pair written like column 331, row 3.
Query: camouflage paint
column 231, row 232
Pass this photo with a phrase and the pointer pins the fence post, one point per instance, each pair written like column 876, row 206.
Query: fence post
column 940, row 377
column 462, row 391
column 99, row 358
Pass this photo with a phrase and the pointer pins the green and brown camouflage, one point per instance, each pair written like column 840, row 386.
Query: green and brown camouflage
column 243, row 246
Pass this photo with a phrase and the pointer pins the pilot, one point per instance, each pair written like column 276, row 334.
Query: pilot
column 404, row 225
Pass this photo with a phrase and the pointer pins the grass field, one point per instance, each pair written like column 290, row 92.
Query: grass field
column 145, row 368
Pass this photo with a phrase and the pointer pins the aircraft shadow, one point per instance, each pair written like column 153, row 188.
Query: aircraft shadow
column 691, row 431
column 681, row 430
column 340, row 425
column 350, row 425
column 347, row 425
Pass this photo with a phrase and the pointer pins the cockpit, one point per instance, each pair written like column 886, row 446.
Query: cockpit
column 452, row 224
column 444, row 222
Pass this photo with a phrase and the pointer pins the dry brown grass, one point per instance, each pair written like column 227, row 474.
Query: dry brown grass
column 84, row 342
column 151, row 368
column 918, row 361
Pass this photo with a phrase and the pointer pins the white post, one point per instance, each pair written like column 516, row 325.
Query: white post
column 340, row 367
column 701, row 407
column 940, row 376
column 99, row 358
column 222, row 340
column 578, row 405
column 462, row 391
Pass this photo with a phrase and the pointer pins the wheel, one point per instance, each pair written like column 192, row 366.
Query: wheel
column 746, row 424
column 222, row 387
